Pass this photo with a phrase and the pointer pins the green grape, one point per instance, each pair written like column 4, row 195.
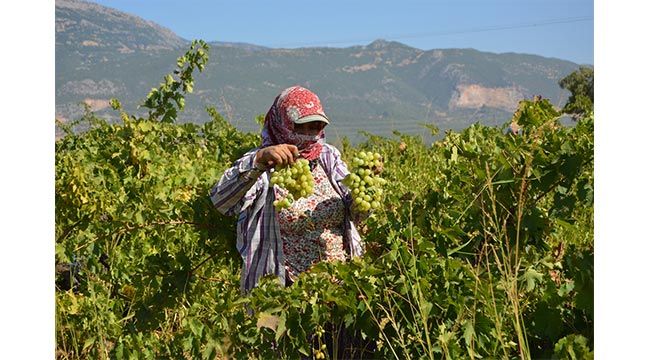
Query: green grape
column 364, row 183
column 296, row 179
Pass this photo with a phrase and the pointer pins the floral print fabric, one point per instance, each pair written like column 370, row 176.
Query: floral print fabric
column 312, row 228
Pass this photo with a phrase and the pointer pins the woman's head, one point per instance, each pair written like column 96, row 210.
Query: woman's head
column 296, row 117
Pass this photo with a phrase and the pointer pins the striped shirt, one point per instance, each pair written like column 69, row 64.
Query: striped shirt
column 245, row 190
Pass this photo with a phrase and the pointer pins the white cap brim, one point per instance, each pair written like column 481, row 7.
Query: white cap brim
column 310, row 118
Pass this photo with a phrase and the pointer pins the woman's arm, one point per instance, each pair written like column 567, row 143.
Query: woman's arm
column 228, row 193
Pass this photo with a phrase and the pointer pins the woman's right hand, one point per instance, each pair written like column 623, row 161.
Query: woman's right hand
column 277, row 155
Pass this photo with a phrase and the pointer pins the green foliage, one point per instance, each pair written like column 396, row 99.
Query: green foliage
column 159, row 100
column 581, row 85
column 483, row 248
column 573, row 347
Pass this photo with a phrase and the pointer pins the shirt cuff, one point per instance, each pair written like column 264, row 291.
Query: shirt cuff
column 250, row 169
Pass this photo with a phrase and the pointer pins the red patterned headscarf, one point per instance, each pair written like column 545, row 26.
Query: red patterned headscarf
column 294, row 105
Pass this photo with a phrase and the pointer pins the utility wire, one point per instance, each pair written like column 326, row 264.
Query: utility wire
column 446, row 33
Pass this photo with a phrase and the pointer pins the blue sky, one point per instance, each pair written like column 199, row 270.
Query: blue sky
column 561, row 29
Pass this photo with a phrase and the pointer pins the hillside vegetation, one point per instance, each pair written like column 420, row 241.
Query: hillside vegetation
column 102, row 53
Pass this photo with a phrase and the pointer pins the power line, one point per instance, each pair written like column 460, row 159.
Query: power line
column 446, row 33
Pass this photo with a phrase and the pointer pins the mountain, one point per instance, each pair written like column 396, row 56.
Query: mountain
column 380, row 87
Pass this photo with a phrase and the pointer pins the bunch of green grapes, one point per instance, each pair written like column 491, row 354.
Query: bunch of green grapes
column 364, row 181
column 296, row 179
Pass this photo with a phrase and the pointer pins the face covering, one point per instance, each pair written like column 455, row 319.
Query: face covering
column 303, row 138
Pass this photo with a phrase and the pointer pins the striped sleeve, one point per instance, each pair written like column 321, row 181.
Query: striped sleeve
column 230, row 194
column 333, row 161
column 339, row 170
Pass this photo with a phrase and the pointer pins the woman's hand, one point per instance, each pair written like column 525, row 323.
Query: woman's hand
column 277, row 155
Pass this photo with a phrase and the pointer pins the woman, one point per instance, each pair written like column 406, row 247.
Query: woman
column 316, row 228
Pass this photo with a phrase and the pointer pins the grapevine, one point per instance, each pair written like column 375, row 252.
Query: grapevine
column 297, row 179
column 364, row 181
column 167, row 245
